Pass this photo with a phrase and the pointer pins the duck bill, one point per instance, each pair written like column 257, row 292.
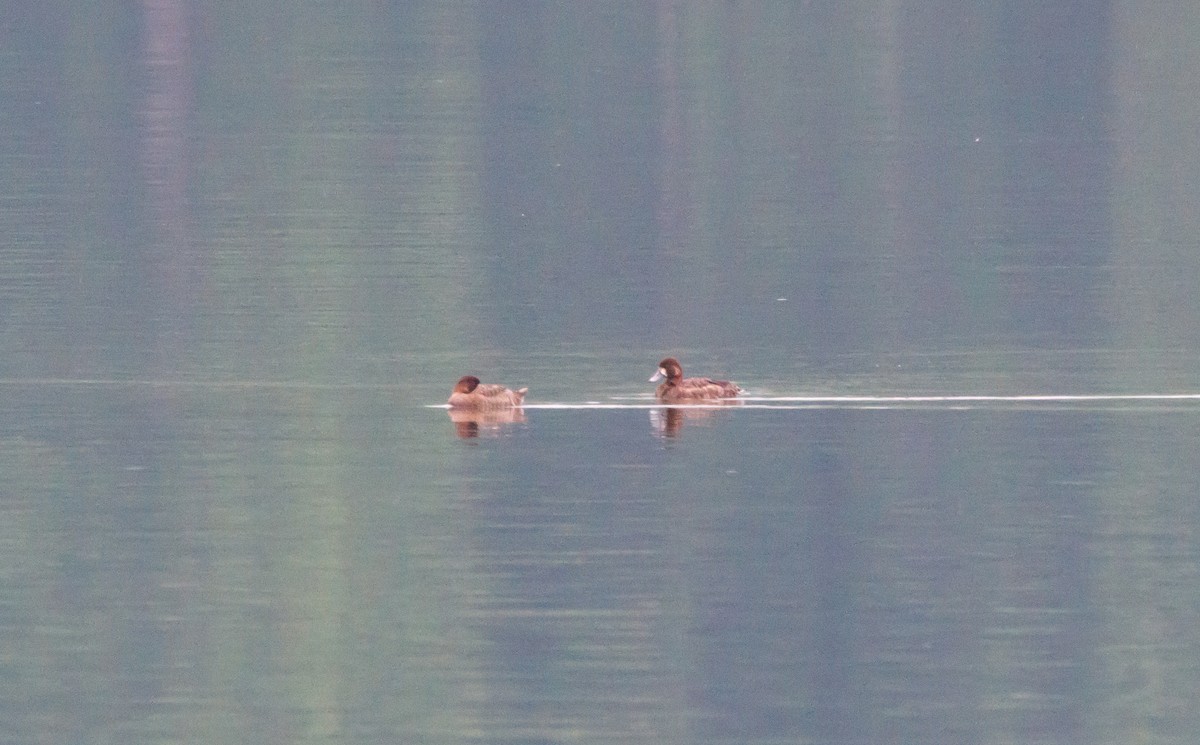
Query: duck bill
column 658, row 376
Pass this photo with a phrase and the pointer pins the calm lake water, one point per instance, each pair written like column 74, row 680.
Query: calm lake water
column 949, row 251
column 250, row 564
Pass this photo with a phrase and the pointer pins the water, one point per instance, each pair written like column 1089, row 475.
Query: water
column 299, row 564
column 946, row 250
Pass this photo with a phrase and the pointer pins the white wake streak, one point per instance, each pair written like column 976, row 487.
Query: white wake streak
column 863, row 401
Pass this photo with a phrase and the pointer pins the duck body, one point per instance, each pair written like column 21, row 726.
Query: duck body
column 469, row 393
column 676, row 388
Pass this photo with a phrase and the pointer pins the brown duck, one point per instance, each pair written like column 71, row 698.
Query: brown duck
column 469, row 393
column 678, row 388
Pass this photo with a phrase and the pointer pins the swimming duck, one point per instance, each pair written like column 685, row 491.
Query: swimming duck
column 469, row 393
column 678, row 388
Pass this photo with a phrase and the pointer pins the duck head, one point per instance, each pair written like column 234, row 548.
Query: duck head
column 669, row 369
column 466, row 384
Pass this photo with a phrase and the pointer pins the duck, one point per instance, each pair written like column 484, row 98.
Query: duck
column 678, row 388
column 469, row 393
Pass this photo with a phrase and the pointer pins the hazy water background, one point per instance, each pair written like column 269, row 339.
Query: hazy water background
column 245, row 247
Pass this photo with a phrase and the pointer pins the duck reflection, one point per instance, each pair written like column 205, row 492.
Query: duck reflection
column 668, row 421
column 475, row 422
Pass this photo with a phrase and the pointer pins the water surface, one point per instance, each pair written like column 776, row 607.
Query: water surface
column 948, row 250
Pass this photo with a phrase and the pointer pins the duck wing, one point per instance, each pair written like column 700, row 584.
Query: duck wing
column 708, row 388
column 500, row 394
column 491, row 390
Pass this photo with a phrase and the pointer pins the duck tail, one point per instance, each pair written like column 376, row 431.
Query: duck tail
column 519, row 396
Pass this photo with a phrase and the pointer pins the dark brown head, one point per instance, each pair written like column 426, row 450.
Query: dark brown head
column 466, row 384
column 669, row 369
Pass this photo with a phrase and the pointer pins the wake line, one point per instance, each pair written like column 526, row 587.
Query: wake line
column 797, row 402
column 1029, row 397
column 633, row 402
